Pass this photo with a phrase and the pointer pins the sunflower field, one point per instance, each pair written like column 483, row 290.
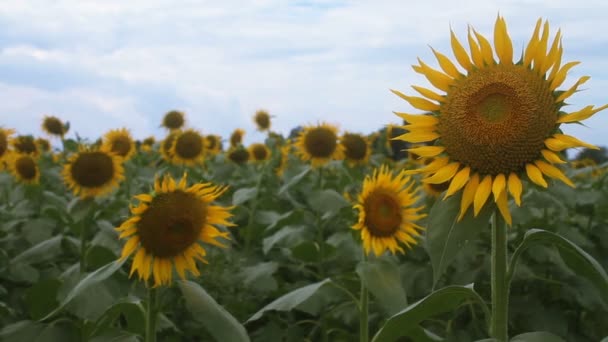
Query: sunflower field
column 468, row 222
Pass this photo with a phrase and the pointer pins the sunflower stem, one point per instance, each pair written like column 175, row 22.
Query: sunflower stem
column 363, row 309
column 500, row 288
column 253, row 209
column 84, row 232
column 151, row 315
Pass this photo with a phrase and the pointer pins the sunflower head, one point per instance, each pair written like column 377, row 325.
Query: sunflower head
column 53, row 126
column 24, row 168
column 5, row 135
column 25, row 144
column 285, row 151
column 356, row 148
column 236, row 138
column 259, row 152
column 169, row 227
column 166, row 146
column 119, row 142
column 492, row 121
column 262, row 120
column 188, row 148
column 238, row 155
column 173, row 120
column 93, row 173
column 319, row 144
column 387, row 212
column 149, row 141
column 43, row 144
column 213, row 144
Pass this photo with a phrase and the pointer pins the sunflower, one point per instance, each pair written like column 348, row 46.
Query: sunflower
column 188, row 148
column 285, row 150
column 356, row 148
column 53, row 126
column 166, row 146
column 173, row 120
column 147, row 144
column 5, row 135
column 24, row 167
column 259, row 152
column 168, row 226
column 43, row 144
column 386, row 212
column 236, row 138
column 319, row 144
column 119, row 142
column 25, row 144
column 262, row 120
column 238, row 155
column 92, row 173
column 496, row 121
column 213, row 144
column 435, row 190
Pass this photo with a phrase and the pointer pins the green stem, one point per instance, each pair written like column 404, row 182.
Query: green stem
column 363, row 311
column 500, row 287
column 84, row 232
column 253, row 208
column 151, row 315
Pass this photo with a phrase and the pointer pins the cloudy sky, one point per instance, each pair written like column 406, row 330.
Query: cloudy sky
column 106, row 64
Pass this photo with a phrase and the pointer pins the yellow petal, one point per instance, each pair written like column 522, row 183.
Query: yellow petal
column 482, row 194
column 499, row 185
column 475, row 51
column 572, row 89
column 182, row 182
column 460, row 179
column 581, row 115
column 560, row 76
column 429, row 94
column 438, row 79
column 418, row 119
column 552, row 157
column 436, row 164
column 129, row 247
column 468, row 194
column 427, row 151
column 535, row 175
column 553, row 172
column 502, row 42
column 551, row 57
column 460, row 53
column 444, row 174
column 485, row 47
column 144, row 197
column 418, row 102
column 418, row 137
column 138, row 263
column 541, row 48
column 560, row 142
column 557, row 64
column 532, row 44
column 515, row 188
column 446, row 64
column 503, row 206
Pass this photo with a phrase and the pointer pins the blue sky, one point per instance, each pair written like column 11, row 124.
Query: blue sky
column 110, row 64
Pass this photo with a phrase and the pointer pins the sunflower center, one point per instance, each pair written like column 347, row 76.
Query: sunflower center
column 355, row 147
column 189, row 145
column 172, row 223
column 92, row 169
column 259, row 152
column 26, row 167
column 25, row 144
column 262, row 119
column 239, row 156
column 496, row 119
column 54, row 126
column 173, row 120
column 382, row 214
column 121, row 146
column 320, row 142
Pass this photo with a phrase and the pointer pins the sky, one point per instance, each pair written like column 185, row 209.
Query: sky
column 109, row 64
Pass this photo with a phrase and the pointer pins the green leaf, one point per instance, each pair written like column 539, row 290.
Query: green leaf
column 294, row 180
column 243, row 195
column 445, row 236
column 219, row 322
column 307, row 251
column 259, row 276
column 440, row 301
column 537, row 336
column 382, row 279
column 115, row 336
column 289, row 301
column 291, row 234
column 91, row 279
column 133, row 312
column 42, row 297
column 45, row 250
column 327, row 201
column 21, row 331
column 579, row 261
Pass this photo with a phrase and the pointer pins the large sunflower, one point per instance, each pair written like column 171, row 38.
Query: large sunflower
column 93, row 173
column 168, row 226
column 52, row 125
column 173, row 120
column 496, row 121
column 386, row 212
column 24, row 168
column 356, row 148
column 319, row 144
column 119, row 142
column 188, row 148
column 262, row 120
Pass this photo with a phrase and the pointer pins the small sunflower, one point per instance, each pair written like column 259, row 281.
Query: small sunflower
column 168, row 227
column 285, row 151
column 238, row 155
column 119, row 142
column 173, row 120
column 24, row 168
column 25, row 144
column 188, row 148
column 259, row 152
column 236, row 138
column 319, row 144
column 496, row 121
column 387, row 214
column 43, row 144
column 213, row 144
column 166, row 146
column 356, row 148
column 262, row 120
column 5, row 137
column 53, row 126
column 93, row 173
column 147, row 144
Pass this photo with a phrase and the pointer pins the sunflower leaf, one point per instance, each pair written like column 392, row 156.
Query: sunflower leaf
column 205, row 310
column 382, row 279
column 537, row 336
column 446, row 236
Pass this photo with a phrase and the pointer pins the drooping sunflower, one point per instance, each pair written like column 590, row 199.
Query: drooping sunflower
column 147, row 144
column 25, row 144
column 53, row 126
column 259, row 152
column 93, row 173
column 166, row 146
column 24, row 168
column 188, row 148
column 213, row 144
column 119, row 142
column 497, row 120
column 262, row 120
column 168, row 226
column 5, row 137
column 236, row 138
column 319, row 144
column 356, row 148
column 238, row 155
column 173, row 120
column 43, row 144
column 387, row 214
